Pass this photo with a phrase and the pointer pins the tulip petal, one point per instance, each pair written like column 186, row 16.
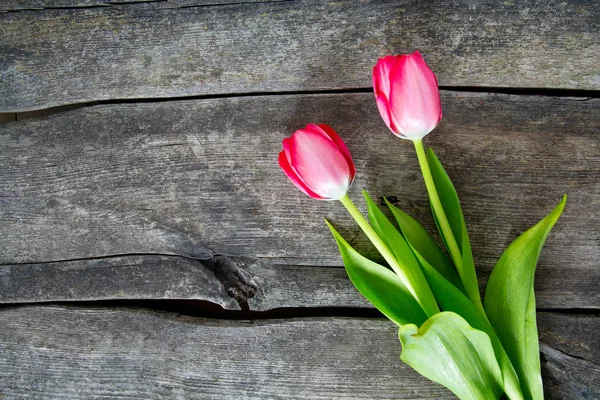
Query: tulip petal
column 286, row 143
column 414, row 96
column 384, row 110
column 341, row 145
column 293, row 176
column 381, row 75
column 320, row 163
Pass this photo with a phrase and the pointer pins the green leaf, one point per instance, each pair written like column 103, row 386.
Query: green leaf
column 452, row 299
column 379, row 285
column 424, row 246
column 410, row 267
column 447, row 350
column 454, row 214
column 510, row 302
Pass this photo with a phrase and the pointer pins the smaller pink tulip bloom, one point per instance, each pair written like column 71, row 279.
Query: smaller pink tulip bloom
column 318, row 162
column 407, row 95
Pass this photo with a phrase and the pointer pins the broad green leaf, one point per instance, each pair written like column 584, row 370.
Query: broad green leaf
column 447, row 350
column 510, row 302
column 410, row 267
column 454, row 214
column 379, row 285
column 424, row 246
column 452, row 299
column 447, row 295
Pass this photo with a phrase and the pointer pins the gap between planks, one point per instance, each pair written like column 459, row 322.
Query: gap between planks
column 210, row 310
column 581, row 95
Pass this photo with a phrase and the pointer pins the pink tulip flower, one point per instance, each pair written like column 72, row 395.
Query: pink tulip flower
column 407, row 95
column 318, row 162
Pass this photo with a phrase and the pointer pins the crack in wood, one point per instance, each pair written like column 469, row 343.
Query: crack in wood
column 157, row 5
column 545, row 346
column 237, row 282
column 565, row 94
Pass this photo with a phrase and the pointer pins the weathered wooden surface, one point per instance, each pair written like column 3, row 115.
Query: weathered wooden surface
column 88, row 353
column 36, row 5
column 141, row 50
column 199, row 178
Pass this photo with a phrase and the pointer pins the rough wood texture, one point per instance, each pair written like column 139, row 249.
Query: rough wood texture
column 200, row 178
column 138, row 51
column 261, row 285
column 34, row 5
column 88, row 353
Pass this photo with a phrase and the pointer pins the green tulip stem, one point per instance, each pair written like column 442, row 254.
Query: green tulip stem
column 440, row 214
column 430, row 309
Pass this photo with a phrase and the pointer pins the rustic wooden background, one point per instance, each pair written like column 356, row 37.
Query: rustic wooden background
column 151, row 248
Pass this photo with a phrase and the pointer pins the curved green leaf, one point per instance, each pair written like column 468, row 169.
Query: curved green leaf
column 510, row 302
column 379, row 285
column 447, row 350
column 453, row 211
column 452, row 299
column 454, row 214
column 424, row 246
column 411, row 269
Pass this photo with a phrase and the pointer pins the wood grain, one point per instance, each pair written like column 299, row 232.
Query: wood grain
column 53, row 57
column 199, row 178
column 91, row 353
column 35, row 5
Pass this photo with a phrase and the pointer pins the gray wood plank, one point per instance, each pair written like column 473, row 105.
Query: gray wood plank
column 121, row 277
column 200, row 178
column 262, row 285
column 54, row 57
column 34, row 5
column 54, row 352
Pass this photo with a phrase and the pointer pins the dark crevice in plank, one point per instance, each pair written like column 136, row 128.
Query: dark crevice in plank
column 111, row 256
column 570, row 311
column 547, row 92
column 207, row 309
column 157, row 4
column 581, row 95
column 229, row 4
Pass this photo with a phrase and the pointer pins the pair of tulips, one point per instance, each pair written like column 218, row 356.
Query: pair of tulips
column 318, row 162
column 478, row 349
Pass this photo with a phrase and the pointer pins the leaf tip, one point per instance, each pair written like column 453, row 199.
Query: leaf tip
column 366, row 194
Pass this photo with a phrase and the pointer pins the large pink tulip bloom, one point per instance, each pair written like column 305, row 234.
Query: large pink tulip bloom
column 318, row 162
column 407, row 95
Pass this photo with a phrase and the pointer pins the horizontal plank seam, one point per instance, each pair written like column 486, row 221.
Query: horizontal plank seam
column 225, row 4
column 570, row 94
column 105, row 258
column 571, row 311
column 199, row 310
column 209, row 309
column 108, row 4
